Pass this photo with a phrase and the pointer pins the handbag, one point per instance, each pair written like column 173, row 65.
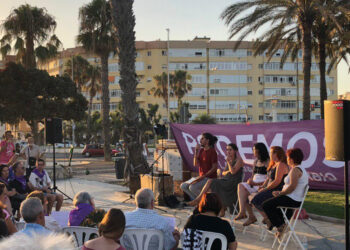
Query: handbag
column 31, row 160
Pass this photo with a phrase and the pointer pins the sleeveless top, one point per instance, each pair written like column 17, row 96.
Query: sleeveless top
column 259, row 169
column 298, row 192
column 272, row 176
column 230, row 175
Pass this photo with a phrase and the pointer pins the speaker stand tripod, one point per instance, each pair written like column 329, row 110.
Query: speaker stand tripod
column 55, row 188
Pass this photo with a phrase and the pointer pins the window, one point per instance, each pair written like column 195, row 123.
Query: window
column 249, row 53
column 149, row 79
column 214, row 91
column 149, row 66
column 261, row 117
column 149, row 105
column 164, row 53
column 220, row 52
column 250, row 92
column 164, row 66
column 149, row 53
column 249, row 66
column 249, row 79
column 260, row 92
column 261, row 105
column 198, row 53
column 261, row 66
column 137, row 93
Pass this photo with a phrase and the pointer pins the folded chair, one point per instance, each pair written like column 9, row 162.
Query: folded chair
column 235, row 206
column 291, row 225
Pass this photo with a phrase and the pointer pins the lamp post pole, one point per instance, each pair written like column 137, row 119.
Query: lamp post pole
column 168, row 111
column 73, row 124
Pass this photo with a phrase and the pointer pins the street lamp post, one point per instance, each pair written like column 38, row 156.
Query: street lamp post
column 168, row 111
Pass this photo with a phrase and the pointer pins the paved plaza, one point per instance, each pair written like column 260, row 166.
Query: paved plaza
column 108, row 193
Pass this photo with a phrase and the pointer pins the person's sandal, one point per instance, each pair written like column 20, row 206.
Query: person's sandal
column 249, row 222
column 280, row 231
column 269, row 225
column 240, row 217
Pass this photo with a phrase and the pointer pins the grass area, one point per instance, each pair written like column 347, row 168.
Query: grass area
column 326, row 203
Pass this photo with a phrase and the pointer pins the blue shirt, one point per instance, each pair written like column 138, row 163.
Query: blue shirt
column 148, row 218
column 33, row 228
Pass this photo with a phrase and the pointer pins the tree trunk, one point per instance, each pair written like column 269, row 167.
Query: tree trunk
column 34, row 128
column 307, row 56
column 124, row 19
column 29, row 57
column 105, row 107
column 322, row 68
column 88, row 136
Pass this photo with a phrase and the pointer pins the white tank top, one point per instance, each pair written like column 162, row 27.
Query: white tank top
column 298, row 192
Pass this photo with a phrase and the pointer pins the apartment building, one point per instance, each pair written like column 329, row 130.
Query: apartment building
column 231, row 85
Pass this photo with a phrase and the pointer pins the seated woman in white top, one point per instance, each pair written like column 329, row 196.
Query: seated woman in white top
column 291, row 195
column 40, row 180
column 253, row 183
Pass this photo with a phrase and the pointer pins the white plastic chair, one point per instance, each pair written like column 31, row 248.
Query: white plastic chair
column 211, row 236
column 139, row 238
column 81, row 234
column 208, row 237
column 291, row 224
column 20, row 225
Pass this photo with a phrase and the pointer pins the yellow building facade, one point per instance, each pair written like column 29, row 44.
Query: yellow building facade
column 230, row 85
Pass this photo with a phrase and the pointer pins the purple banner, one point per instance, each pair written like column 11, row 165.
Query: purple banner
column 306, row 135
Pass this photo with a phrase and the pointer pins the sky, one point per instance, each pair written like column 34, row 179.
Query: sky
column 186, row 19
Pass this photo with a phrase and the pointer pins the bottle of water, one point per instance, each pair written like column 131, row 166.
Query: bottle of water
column 304, row 242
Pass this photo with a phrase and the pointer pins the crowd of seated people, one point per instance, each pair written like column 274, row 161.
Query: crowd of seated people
column 278, row 180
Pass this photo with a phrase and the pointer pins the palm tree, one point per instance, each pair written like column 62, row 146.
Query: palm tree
column 124, row 23
column 180, row 86
column 93, row 86
column 96, row 35
column 161, row 89
column 280, row 16
column 29, row 27
column 79, row 71
column 328, row 33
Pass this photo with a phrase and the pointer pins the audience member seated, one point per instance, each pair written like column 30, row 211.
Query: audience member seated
column 292, row 192
column 7, row 148
column 206, row 159
column 50, row 222
column 40, row 180
column 85, row 214
column 33, row 214
column 145, row 217
column 14, row 198
column 277, row 171
column 207, row 220
column 37, row 241
column 19, row 183
column 110, row 230
column 252, row 185
column 226, row 185
column 4, row 232
column 5, row 214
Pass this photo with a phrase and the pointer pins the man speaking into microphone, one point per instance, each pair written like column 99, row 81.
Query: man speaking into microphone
column 206, row 159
